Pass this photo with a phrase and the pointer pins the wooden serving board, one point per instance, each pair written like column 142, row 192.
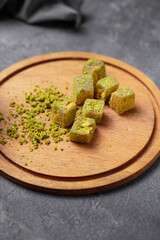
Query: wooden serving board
column 122, row 148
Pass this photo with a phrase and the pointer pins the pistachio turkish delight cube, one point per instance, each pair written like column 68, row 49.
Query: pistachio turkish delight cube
column 64, row 112
column 122, row 100
column 95, row 67
column 105, row 87
column 83, row 88
column 93, row 108
column 82, row 130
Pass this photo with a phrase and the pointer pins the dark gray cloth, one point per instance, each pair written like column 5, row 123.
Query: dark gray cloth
column 38, row 11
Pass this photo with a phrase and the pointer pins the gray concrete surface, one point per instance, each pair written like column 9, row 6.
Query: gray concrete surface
column 130, row 31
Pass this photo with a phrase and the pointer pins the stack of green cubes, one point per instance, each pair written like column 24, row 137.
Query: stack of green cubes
column 92, row 83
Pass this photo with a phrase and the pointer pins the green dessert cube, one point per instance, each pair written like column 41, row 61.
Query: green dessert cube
column 64, row 112
column 96, row 68
column 83, row 88
column 122, row 100
column 93, row 108
column 105, row 87
column 82, row 130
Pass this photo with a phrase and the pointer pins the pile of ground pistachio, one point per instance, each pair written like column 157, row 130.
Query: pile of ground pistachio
column 30, row 123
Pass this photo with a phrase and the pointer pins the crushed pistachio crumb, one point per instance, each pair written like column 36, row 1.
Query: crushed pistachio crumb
column 47, row 142
column 79, row 111
column 28, row 128
column 3, row 140
column 12, row 104
column 12, row 131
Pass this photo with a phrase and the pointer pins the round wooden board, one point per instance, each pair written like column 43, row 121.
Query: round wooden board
column 122, row 147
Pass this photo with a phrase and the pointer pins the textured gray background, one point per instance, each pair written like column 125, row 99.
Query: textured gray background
column 124, row 29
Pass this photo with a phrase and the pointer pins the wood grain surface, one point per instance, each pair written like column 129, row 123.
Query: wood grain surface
column 122, row 147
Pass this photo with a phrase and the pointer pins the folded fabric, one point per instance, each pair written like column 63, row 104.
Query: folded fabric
column 38, row 11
